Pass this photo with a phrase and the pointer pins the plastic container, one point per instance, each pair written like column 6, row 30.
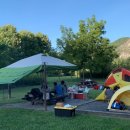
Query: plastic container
column 64, row 112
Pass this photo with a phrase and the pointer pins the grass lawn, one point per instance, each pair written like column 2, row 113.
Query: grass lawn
column 19, row 92
column 19, row 119
column 94, row 93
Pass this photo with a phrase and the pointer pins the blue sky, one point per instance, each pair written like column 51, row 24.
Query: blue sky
column 47, row 16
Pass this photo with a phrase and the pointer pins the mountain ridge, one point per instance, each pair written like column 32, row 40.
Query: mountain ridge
column 122, row 46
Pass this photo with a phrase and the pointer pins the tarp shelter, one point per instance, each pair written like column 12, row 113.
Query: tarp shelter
column 118, row 77
column 26, row 66
column 123, row 94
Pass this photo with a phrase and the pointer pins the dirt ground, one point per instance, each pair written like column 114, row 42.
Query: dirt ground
column 82, row 105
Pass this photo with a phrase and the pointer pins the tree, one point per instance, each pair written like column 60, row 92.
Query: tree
column 9, row 40
column 9, row 35
column 17, row 45
column 88, row 49
column 43, row 42
column 5, row 57
column 32, row 44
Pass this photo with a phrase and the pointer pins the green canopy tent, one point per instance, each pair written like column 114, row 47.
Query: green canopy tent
column 27, row 66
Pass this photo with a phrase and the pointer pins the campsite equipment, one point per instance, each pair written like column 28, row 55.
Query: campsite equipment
column 16, row 71
column 122, row 94
column 34, row 95
column 27, row 66
column 119, row 77
column 65, row 111
column 59, row 104
column 79, row 96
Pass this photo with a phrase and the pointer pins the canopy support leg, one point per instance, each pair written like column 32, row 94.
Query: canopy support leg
column 9, row 91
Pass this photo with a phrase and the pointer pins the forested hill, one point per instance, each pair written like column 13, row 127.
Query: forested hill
column 122, row 47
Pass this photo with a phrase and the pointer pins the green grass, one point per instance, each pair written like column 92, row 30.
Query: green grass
column 19, row 92
column 93, row 93
column 18, row 119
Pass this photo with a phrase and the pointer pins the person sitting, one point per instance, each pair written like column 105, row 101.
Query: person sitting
column 108, row 93
column 64, row 87
column 45, row 89
column 58, row 90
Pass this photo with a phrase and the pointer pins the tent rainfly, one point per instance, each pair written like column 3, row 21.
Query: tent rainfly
column 118, row 77
column 26, row 66
column 123, row 94
column 121, row 78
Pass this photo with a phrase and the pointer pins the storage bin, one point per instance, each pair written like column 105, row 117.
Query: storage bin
column 65, row 112
column 79, row 96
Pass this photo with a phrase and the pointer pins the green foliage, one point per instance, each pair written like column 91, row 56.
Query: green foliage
column 32, row 44
column 123, row 63
column 19, row 119
column 17, row 45
column 87, row 48
column 9, row 35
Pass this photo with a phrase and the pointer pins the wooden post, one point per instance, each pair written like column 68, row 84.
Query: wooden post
column 9, row 91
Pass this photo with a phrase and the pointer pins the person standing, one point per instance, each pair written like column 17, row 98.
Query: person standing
column 108, row 93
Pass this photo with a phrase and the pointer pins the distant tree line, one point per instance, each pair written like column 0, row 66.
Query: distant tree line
column 17, row 45
column 87, row 48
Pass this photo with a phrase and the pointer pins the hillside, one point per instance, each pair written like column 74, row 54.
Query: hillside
column 120, row 41
column 122, row 47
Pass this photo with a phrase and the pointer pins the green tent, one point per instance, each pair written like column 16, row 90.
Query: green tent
column 11, row 75
column 26, row 66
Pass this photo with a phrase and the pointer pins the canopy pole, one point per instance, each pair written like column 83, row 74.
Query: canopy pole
column 44, row 84
column 3, row 93
column 9, row 91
